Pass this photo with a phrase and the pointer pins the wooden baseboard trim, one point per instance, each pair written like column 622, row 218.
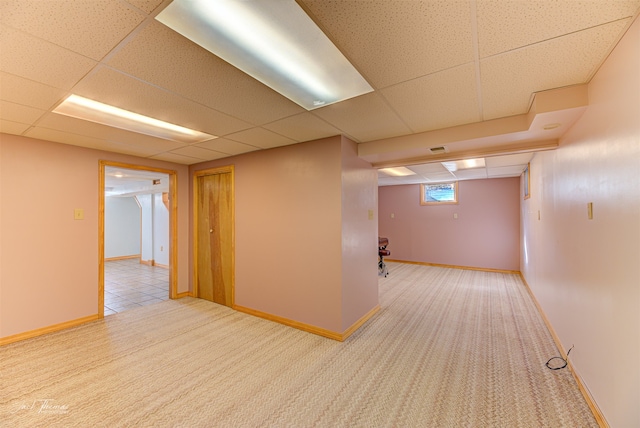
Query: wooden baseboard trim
column 161, row 265
column 184, row 294
column 593, row 406
column 113, row 259
column 310, row 328
column 348, row 332
column 44, row 330
column 147, row 262
column 291, row 323
column 455, row 266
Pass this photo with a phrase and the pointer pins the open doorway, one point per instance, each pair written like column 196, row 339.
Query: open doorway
column 137, row 236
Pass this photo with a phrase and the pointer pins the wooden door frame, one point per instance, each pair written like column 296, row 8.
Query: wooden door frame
column 227, row 169
column 173, row 229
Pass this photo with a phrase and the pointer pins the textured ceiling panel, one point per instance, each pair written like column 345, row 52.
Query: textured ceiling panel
column 199, row 153
column 394, row 41
column 36, row 59
column 508, row 160
column 471, row 174
column 508, row 80
column 27, row 92
column 120, row 137
column 19, row 113
column 90, row 28
column 229, row 147
column 185, row 68
column 439, row 176
column 262, row 138
column 303, row 127
column 89, row 142
column 363, row 118
column 429, row 168
column 147, row 6
column 506, row 25
column 112, row 87
column 506, row 171
column 9, row 127
column 437, row 101
column 176, row 158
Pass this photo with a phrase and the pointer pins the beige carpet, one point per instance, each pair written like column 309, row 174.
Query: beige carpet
column 449, row 348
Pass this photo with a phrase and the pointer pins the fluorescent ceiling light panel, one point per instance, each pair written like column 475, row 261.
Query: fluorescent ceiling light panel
column 93, row 111
column 275, row 42
column 464, row 164
column 400, row 171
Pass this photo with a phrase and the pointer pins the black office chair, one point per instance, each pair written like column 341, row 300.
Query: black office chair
column 382, row 253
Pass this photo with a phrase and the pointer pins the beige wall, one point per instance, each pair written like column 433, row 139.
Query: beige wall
column 49, row 262
column 586, row 273
column 289, row 210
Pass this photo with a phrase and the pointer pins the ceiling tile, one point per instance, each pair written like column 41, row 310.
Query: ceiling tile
column 394, row 41
column 506, row 171
column 89, row 142
column 174, row 157
column 507, row 25
column 115, row 88
column 85, row 128
column 19, row 113
column 41, row 61
column 471, row 174
column 199, row 153
column 303, row 127
column 262, row 138
column 211, row 81
column 229, row 147
column 508, row 80
column 438, row 100
column 90, row 28
column 364, row 118
column 8, row 127
column 27, row 92
column 439, row 176
column 508, row 160
column 147, row 6
column 429, row 168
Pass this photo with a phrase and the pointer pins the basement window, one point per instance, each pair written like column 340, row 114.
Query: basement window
column 438, row 194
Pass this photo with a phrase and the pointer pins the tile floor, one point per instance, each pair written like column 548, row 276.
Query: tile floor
column 129, row 284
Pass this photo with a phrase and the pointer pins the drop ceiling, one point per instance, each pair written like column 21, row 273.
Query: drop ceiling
column 479, row 78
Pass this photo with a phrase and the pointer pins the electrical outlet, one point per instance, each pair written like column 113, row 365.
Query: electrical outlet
column 78, row 214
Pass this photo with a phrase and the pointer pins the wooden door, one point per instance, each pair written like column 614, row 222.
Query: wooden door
column 214, row 270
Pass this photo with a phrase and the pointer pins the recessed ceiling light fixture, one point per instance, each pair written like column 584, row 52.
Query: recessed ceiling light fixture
column 399, row 171
column 275, row 42
column 93, row 111
column 464, row 164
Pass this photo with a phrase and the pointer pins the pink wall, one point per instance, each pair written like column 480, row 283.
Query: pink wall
column 359, row 236
column 485, row 234
column 586, row 273
column 49, row 260
column 289, row 233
